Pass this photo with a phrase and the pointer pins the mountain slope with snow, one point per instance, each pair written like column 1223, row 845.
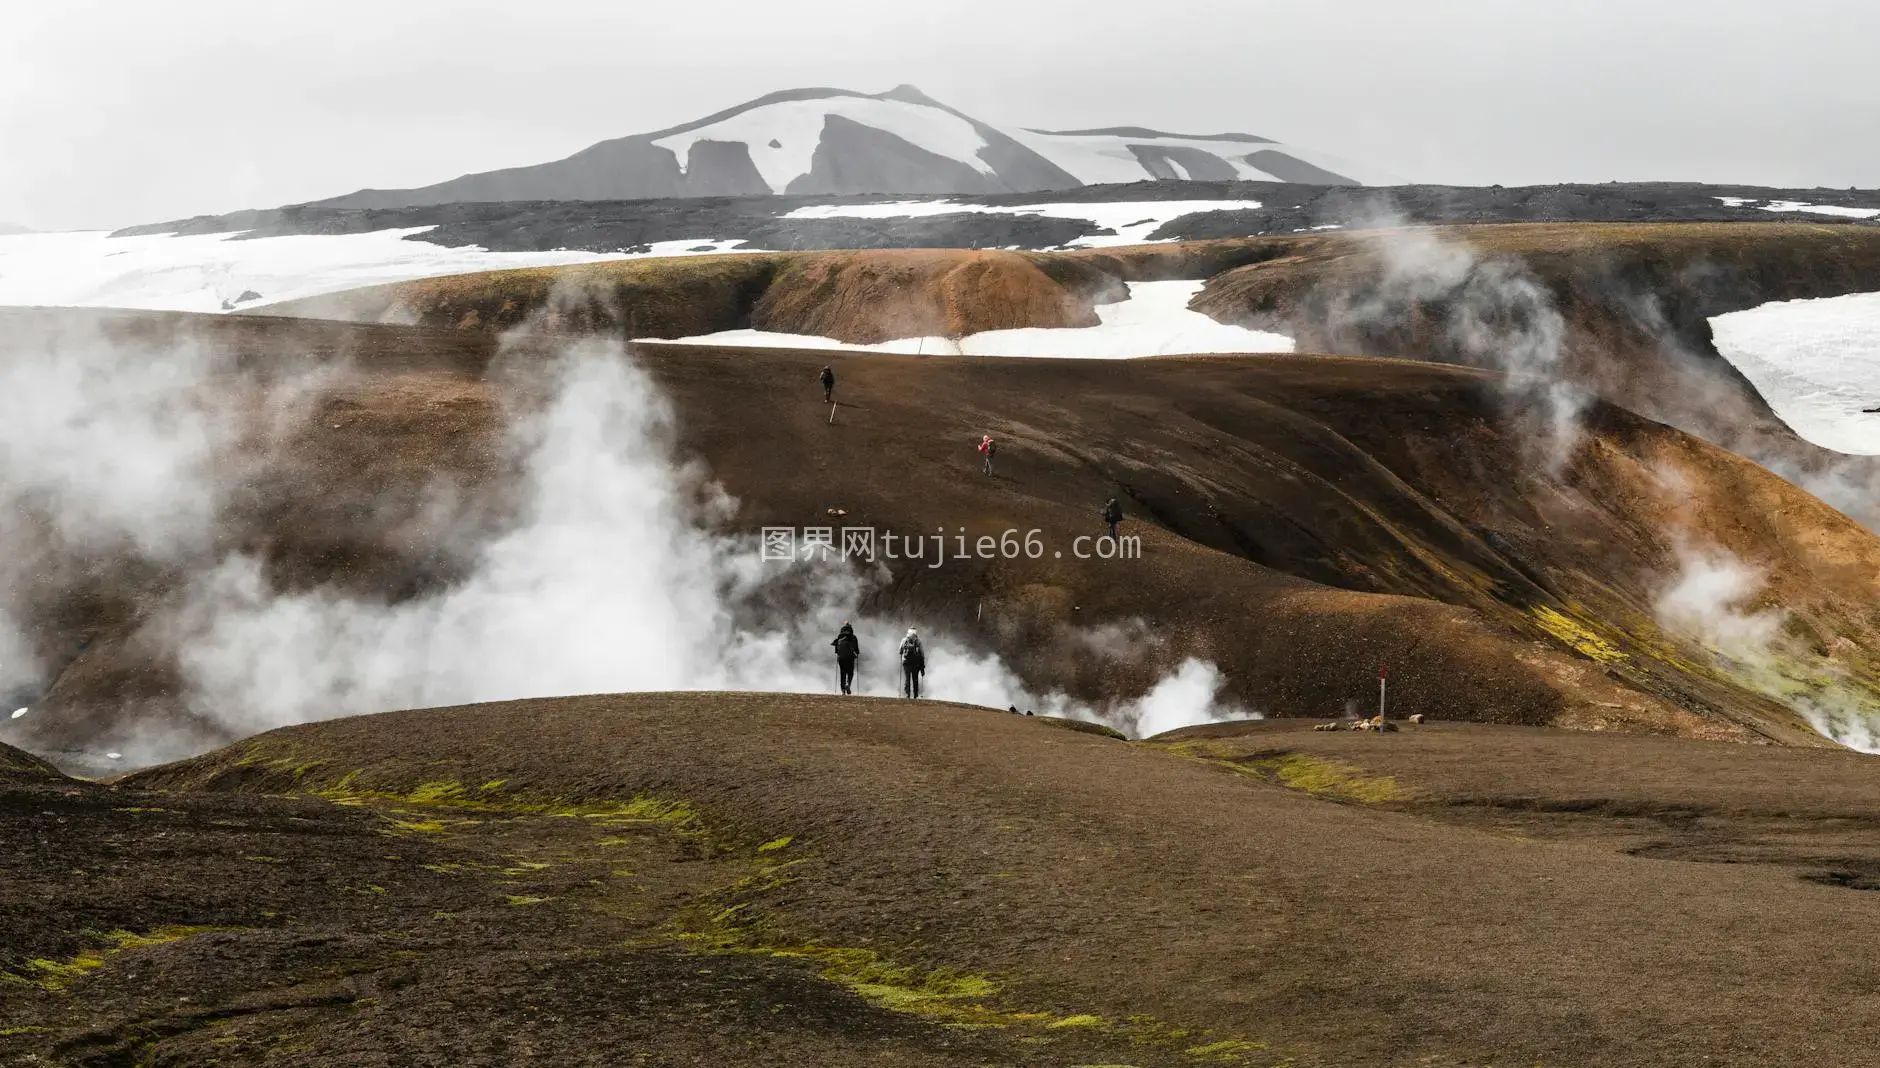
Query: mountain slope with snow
column 838, row 142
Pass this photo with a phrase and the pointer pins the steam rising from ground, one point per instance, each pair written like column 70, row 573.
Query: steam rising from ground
column 1711, row 601
column 616, row 576
column 1707, row 598
column 1498, row 316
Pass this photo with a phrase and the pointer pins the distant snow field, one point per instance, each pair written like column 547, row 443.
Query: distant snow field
column 224, row 272
column 1154, row 321
column 1799, row 206
column 1131, row 220
column 1817, row 363
column 213, row 272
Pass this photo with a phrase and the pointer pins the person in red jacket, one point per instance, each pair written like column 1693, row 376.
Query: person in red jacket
column 986, row 449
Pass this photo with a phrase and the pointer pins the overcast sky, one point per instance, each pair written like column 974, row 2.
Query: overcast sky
column 119, row 112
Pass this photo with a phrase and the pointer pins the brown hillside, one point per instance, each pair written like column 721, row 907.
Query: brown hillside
column 879, row 296
column 684, row 878
column 19, row 762
column 858, row 297
column 1303, row 520
column 1636, row 300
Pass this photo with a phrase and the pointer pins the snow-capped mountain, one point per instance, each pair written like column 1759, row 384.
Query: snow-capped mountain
column 836, row 142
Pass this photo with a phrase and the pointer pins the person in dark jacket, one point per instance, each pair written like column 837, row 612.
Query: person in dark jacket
column 828, row 380
column 913, row 664
column 1112, row 514
column 847, row 651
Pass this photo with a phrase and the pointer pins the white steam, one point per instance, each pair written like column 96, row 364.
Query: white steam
column 116, row 451
column 613, row 580
column 1707, row 601
column 1711, row 601
column 1498, row 315
column 614, row 575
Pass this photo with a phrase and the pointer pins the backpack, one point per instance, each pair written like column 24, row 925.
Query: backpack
column 911, row 654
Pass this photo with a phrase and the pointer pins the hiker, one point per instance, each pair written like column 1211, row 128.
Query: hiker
column 847, row 650
column 986, row 449
column 1112, row 514
column 913, row 664
column 828, row 380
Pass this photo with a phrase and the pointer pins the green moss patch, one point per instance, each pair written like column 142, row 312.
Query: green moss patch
column 58, row 976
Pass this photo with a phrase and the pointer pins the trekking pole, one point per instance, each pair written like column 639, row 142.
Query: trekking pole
column 832, row 413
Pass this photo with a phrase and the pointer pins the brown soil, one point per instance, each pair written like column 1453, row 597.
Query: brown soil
column 858, row 297
column 867, row 298
column 21, row 763
column 1636, row 300
column 689, row 879
column 1303, row 520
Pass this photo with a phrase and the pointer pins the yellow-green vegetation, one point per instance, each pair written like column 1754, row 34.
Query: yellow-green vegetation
column 727, row 922
column 1231, row 1049
column 58, row 976
column 1576, row 635
column 417, row 827
column 677, row 816
column 9, row 1032
column 263, row 754
column 523, row 901
column 775, row 844
column 1328, row 778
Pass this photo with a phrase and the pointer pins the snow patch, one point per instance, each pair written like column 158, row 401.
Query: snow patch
column 795, row 127
column 1817, row 363
column 1822, row 209
column 1101, row 159
column 1800, row 206
column 1154, row 321
column 215, row 272
column 1131, row 220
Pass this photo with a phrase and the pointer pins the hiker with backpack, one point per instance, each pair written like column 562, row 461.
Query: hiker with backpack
column 828, row 380
column 848, row 649
column 1112, row 514
column 986, row 449
column 913, row 664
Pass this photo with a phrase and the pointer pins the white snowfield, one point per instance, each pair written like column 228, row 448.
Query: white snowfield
column 1799, row 206
column 215, row 272
column 796, row 128
column 1154, row 321
column 1132, row 220
column 1097, row 159
column 212, row 272
column 1817, row 363
column 782, row 138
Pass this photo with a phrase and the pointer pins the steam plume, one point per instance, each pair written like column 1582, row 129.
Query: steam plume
column 617, row 573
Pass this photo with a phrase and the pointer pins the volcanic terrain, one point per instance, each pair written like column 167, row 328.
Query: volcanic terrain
column 681, row 879
column 1508, row 464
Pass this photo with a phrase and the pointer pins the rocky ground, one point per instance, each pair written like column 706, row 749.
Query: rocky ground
column 611, row 226
column 712, row 879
